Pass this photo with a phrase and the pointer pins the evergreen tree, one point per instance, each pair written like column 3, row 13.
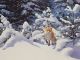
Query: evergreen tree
column 18, row 11
column 68, row 13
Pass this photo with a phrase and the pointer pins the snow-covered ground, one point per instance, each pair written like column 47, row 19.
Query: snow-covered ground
column 26, row 51
column 30, row 44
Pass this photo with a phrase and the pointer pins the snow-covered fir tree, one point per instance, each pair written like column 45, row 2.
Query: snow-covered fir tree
column 18, row 11
column 67, row 13
column 46, row 18
column 26, row 31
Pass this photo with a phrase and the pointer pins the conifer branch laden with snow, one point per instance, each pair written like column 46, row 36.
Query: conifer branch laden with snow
column 66, row 12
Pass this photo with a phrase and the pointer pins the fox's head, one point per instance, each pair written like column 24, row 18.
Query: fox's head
column 47, row 29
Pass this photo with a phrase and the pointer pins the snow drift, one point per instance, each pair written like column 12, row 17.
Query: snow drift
column 25, row 51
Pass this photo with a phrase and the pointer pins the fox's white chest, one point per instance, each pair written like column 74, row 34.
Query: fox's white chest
column 47, row 35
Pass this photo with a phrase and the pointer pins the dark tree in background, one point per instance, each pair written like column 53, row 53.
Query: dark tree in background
column 15, row 7
column 18, row 11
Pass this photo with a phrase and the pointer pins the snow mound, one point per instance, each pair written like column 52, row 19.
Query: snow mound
column 25, row 51
column 76, row 8
column 61, row 43
column 71, row 52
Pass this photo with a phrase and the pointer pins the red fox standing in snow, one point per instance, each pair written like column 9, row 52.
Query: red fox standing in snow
column 49, row 35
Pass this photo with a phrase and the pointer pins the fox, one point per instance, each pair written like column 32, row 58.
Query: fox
column 49, row 35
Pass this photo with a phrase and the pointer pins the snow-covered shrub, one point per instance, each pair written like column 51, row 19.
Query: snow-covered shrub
column 38, row 38
column 39, row 22
column 3, row 18
column 1, row 28
column 5, row 22
column 15, row 38
column 2, row 40
column 76, row 8
column 6, row 34
column 36, row 32
column 5, row 30
column 78, row 43
column 9, row 42
column 62, row 43
column 25, row 25
column 26, row 31
column 1, row 25
column 70, row 1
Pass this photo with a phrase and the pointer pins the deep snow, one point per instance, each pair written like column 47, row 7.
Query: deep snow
column 26, row 51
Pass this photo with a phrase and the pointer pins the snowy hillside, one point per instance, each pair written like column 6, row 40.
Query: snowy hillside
column 39, row 30
column 25, row 51
column 18, row 47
